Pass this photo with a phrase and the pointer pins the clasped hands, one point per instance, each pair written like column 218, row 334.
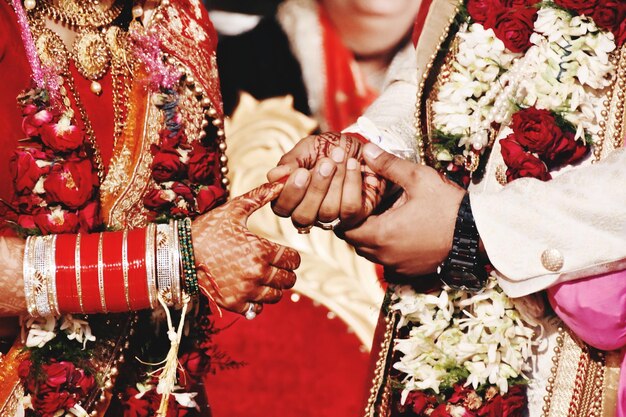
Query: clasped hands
column 337, row 176
column 330, row 176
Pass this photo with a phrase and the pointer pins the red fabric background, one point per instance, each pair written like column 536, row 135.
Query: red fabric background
column 299, row 364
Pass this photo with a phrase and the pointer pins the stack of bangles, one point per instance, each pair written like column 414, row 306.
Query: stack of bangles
column 110, row 272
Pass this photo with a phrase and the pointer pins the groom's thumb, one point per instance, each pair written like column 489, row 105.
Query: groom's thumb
column 387, row 165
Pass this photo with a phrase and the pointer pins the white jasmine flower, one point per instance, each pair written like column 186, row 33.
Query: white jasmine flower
column 40, row 330
column 77, row 329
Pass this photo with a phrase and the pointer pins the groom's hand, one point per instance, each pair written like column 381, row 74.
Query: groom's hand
column 414, row 236
column 327, row 181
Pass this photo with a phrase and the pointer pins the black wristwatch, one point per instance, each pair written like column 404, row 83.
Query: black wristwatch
column 463, row 268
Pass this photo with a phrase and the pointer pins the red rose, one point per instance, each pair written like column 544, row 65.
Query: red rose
column 514, row 4
column 182, row 190
column 166, row 165
column 26, row 221
column 57, row 373
column 513, row 27
column 440, row 411
column 62, row 136
column 34, row 121
column 168, row 139
column 89, row 217
column 536, row 130
column 29, row 204
column 480, row 10
column 492, row 408
column 24, row 372
column 81, row 382
column 609, row 14
column 579, row 6
column 419, row 401
column 514, row 402
column 209, row 197
column 565, row 151
column 49, row 403
column 25, row 170
column 521, row 164
column 56, row 222
column 202, row 165
column 158, row 200
column 71, row 183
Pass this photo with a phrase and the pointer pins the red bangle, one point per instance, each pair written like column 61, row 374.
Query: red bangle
column 137, row 273
column 115, row 292
column 67, row 291
column 89, row 273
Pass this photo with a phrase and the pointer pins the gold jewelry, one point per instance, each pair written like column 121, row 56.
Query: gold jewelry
column 304, row 230
column 151, row 265
column 78, row 13
column 53, row 53
column 39, row 272
column 92, row 56
column 101, row 272
column 164, row 267
column 78, row 272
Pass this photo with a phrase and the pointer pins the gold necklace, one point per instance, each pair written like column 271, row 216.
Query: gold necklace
column 79, row 13
column 54, row 54
column 90, row 50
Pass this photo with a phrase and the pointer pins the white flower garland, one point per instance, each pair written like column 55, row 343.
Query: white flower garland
column 483, row 333
column 565, row 71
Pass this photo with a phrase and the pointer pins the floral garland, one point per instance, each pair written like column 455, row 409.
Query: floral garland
column 56, row 191
column 462, row 354
column 547, row 61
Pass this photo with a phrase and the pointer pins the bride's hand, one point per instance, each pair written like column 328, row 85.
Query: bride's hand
column 327, row 181
column 248, row 270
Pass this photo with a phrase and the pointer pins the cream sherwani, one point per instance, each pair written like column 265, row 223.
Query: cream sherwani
column 579, row 217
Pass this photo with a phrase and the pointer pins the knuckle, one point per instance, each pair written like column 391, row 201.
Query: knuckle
column 300, row 220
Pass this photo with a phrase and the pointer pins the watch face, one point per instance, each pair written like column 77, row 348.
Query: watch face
column 458, row 278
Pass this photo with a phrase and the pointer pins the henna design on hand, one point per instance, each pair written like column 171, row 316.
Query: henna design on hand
column 239, row 260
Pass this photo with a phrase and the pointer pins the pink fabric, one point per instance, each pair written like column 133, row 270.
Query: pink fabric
column 595, row 309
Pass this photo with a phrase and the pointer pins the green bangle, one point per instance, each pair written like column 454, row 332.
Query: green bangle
column 187, row 257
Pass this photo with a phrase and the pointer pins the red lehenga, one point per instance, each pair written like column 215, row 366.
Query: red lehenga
column 187, row 42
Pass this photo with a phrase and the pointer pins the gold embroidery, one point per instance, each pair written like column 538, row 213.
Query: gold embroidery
column 380, row 401
column 575, row 386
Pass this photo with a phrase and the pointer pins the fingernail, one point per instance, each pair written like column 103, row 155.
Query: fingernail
column 326, row 169
column 337, row 155
column 372, row 151
column 301, row 178
column 352, row 164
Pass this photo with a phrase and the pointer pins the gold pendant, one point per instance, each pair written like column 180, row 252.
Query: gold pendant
column 51, row 51
column 91, row 54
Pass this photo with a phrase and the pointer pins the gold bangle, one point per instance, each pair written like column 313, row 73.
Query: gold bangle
column 150, row 264
column 77, row 266
column 101, row 272
column 164, row 267
column 28, row 272
column 176, row 265
column 51, row 269
column 125, row 267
